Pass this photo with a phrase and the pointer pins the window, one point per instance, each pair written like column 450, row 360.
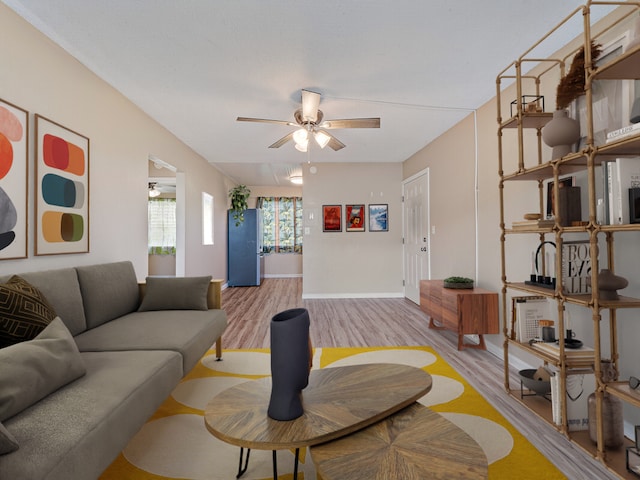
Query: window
column 162, row 226
column 282, row 224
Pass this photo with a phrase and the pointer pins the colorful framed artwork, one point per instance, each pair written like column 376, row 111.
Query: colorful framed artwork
column 354, row 218
column 14, row 170
column 379, row 218
column 62, row 189
column 332, row 218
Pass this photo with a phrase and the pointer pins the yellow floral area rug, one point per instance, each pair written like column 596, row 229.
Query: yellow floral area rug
column 175, row 444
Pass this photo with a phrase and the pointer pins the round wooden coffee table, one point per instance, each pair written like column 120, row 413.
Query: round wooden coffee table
column 413, row 444
column 338, row 401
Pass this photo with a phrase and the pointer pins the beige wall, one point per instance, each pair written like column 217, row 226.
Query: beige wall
column 40, row 77
column 352, row 264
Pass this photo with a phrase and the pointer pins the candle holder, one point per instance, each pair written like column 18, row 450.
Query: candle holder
column 540, row 278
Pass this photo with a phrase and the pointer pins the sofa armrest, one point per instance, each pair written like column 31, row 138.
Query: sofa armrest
column 214, row 293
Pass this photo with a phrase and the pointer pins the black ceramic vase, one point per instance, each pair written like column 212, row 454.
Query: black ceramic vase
column 289, row 363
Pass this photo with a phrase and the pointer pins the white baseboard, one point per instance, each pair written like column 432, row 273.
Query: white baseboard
column 306, row 296
column 282, row 275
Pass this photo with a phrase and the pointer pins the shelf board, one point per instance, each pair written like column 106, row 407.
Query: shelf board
column 623, row 147
column 623, row 67
column 523, row 287
column 622, row 302
column 571, row 362
column 529, row 120
column 572, row 163
column 623, row 391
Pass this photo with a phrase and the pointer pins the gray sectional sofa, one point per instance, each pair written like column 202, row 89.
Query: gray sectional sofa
column 126, row 346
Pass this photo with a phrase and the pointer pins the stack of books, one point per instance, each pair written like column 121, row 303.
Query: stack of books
column 530, row 224
column 623, row 132
column 582, row 353
column 619, row 176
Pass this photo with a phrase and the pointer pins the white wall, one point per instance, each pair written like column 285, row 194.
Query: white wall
column 40, row 77
column 352, row 264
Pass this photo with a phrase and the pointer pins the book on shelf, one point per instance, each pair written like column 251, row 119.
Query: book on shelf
column 529, row 312
column 623, row 132
column 528, row 224
column 627, row 175
column 578, row 388
column 576, row 267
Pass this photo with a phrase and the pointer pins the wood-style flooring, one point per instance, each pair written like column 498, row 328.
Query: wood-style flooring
column 375, row 322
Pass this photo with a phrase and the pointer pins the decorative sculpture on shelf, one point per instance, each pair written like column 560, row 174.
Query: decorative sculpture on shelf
column 609, row 283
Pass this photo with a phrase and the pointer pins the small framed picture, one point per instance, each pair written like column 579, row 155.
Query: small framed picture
column 332, row 218
column 563, row 182
column 379, row 218
column 354, row 218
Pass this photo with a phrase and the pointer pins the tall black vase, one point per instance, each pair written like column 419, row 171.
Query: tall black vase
column 289, row 363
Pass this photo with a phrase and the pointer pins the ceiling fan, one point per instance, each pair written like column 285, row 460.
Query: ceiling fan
column 310, row 123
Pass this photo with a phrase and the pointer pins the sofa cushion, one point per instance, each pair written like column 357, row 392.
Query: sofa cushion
column 77, row 431
column 33, row 369
column 175, row 293
column 109, row 291
column 189, row 332
column 60, row 287
column 8, row 443
column 24, row 311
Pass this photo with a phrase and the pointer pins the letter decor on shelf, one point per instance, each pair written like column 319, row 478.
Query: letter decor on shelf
column 576, row 267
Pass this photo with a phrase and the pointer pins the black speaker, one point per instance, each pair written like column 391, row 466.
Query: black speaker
column 634, row 205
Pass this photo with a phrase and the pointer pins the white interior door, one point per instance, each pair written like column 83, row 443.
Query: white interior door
column 416, row 235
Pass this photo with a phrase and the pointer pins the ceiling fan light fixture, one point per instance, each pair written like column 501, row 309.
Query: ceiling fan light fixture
column 296, row 179
column 153, row 191
column 321, row 138
column 301, row 136
column 302, row 147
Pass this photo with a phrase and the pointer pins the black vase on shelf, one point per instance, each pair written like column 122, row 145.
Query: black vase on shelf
column 290, row 360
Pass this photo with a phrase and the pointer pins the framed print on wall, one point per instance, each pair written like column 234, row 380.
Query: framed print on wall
column 354, row 218
column 14, row 170
column 379, row 218
column 62, row 189
column 332, row 218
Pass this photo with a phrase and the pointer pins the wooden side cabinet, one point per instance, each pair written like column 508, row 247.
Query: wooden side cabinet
column 471, row 311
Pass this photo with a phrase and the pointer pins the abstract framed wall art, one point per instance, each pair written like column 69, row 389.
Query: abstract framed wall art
column 14, row 170
column 332, row 218
column 354, row 218
column 378, row 217
column 62, row 189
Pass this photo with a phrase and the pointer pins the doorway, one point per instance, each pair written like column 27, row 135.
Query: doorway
column 171, row 184
column 417, row 250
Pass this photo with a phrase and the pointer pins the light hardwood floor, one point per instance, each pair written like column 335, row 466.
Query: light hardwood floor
column 396, row 322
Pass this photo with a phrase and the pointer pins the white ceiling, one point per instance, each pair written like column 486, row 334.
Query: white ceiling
column 195, row 65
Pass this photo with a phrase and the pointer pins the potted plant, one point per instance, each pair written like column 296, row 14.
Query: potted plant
column 458, row 282
column 239, row 195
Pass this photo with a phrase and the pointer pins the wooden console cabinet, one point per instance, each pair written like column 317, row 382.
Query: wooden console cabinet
column 471, row 311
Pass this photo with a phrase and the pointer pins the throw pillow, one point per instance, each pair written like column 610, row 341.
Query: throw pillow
column 24, row 311
column 8, row 443
column 175, row 293
column 33, row 369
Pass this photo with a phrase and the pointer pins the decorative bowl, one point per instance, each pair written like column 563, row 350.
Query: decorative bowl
column 538, row 386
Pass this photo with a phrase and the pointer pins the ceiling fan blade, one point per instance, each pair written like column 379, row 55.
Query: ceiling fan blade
column 334, row 143
column 282, row 141
column 265, row 120
column 352, row 123
column 310, row 105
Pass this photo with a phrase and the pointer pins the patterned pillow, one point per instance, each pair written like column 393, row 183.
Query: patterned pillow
column 24, row 311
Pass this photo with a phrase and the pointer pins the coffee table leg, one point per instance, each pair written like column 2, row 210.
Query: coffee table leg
column 275, row 466
column 295, row 465
column 241, row 469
